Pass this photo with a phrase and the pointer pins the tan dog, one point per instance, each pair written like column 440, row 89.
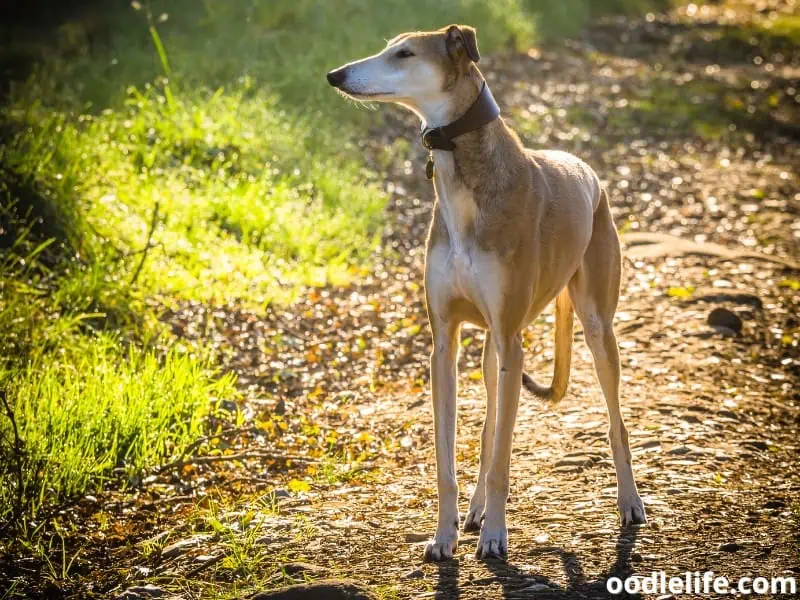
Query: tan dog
column 512, row 230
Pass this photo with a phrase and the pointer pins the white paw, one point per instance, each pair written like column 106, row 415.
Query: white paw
column 493, row 542
column 474, row 519
column 438, row 550
column 631, row 510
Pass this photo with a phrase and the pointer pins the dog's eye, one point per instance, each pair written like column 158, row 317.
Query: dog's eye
column 404, row 53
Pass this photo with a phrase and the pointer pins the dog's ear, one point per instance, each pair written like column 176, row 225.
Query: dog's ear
column 461, row 40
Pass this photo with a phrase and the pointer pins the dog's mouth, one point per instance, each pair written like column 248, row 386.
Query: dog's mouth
column 364, row 95
column 338, row 79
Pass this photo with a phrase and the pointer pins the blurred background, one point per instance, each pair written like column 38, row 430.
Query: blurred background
column 195, row 230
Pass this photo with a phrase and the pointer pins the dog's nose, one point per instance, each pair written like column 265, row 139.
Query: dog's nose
column 337, row 77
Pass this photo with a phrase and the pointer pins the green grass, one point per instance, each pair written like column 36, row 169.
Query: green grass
column 100, row 410
column 87, row 404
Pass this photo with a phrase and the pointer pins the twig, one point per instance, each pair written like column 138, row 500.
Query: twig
column 18, row 460
column 148, row 245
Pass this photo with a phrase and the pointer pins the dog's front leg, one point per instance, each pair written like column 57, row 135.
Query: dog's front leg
column 478, row 502
column 493, row 541
column 443, row 380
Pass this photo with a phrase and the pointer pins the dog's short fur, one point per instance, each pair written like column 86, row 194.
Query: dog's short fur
column 512, row 230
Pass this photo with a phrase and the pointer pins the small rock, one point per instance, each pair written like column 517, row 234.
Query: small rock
column 141, row 592
column 723, row 318
column 730, row 547
column 413, row 538
column 415, row 574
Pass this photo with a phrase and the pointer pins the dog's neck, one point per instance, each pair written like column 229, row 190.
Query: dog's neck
column 442, row 110
column 455, row 203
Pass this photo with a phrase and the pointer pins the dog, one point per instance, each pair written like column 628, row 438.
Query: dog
column 512, row 229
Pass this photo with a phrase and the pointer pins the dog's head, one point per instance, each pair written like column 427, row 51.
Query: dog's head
column 417, row 70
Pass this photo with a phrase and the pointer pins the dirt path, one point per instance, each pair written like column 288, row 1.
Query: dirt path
column 338, row 382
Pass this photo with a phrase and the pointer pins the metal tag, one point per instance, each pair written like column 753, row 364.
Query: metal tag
column 429, row 169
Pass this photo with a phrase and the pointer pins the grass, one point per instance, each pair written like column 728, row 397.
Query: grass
column 87, row 403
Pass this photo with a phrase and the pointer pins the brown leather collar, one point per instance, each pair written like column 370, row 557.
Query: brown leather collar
column 482, row 112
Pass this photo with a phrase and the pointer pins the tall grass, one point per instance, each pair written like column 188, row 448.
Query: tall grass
column 101, row 413
column 81, row 403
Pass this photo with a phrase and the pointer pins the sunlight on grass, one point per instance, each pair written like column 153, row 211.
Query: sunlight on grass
column 86, row 405
column 102, row 411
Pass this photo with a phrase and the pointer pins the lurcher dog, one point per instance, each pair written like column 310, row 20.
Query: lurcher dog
column 512, row 229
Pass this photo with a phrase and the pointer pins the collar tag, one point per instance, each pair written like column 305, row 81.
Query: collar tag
column 429, row 168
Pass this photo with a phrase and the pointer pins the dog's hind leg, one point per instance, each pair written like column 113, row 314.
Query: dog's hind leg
column 478, row 501
column 444, row 381
column 493, row 540
column 594, row 290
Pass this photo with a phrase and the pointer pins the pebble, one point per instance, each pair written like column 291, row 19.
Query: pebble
column 723, row 319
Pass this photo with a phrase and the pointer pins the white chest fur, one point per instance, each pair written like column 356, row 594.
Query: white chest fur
column 456, row 203
column 458, row 268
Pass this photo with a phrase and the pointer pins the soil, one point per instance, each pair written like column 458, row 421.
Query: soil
column 689, row 146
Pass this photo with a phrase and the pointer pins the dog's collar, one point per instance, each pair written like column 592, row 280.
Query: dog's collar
column 482, row 112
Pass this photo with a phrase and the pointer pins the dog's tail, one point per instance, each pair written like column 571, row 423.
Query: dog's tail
column 563, row 353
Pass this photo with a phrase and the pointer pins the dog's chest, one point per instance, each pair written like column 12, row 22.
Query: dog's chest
column 456, row 205
column 459, row 266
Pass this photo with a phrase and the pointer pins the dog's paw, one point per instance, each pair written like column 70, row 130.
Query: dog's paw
column 473, row 520
column 631, row 510
column 493, row 543
column 437, row 551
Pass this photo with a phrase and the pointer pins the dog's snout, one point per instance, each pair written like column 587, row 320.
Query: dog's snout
column 337, row 77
